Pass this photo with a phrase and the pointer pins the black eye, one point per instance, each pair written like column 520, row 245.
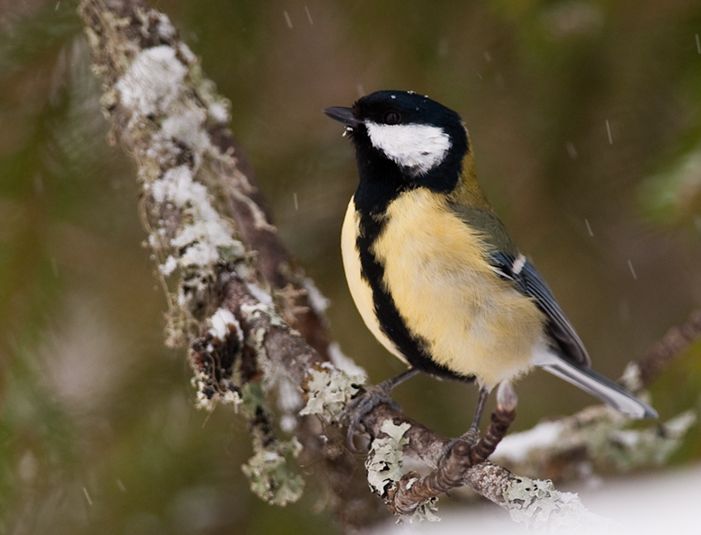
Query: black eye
column 392, row 117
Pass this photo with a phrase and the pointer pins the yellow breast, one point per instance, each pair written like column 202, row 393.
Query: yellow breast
column 436, row 271
column 446, row 291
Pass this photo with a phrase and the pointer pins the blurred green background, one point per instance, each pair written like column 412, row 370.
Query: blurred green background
column 585, row 119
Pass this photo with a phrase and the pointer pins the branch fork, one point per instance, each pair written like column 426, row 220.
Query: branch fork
column 460, row 455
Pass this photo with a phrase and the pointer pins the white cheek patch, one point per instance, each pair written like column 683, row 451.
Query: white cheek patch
column 416, row 147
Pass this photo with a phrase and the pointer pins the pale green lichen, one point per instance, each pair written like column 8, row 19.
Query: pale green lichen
column 384, row 462
column 252, row 399
column 628, row 448
column 384, row 465
column 270, row 476
column 539, row 505
column 424, row 512
column 207, row 398
column 329, row 390
column 270, row 471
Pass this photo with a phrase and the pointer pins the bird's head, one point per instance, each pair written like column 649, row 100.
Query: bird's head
column 418, row 139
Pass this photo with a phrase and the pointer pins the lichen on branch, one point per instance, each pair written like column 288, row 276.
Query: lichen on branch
column 329, row 390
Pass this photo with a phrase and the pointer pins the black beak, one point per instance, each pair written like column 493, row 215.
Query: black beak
column 342, row 115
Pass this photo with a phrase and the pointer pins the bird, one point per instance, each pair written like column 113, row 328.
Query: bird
column 432, row 269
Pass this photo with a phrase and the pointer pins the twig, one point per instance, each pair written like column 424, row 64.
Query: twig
column 672, row 345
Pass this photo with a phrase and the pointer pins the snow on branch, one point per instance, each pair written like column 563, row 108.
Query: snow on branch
column 595, row 438
column 254, row 324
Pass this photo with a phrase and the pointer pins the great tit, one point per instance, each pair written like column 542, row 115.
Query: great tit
column 431, row 268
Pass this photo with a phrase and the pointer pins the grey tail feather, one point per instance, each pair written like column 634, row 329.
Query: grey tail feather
column 602, row 387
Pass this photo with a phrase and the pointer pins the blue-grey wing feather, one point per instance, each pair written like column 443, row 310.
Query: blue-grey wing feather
column 528, row 281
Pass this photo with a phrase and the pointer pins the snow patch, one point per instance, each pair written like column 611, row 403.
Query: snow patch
column 167, row 267
column 153, row 81
column 164, row 27
column 289, row 398
column 203, row 239
column 344, row 363
column 260, row 294
column 516, row 448
column 186, row 53
column 221, row 322
column 187, row 127
column 199, row 254
column 177, row 186
column 219, row 112
column 317, row 300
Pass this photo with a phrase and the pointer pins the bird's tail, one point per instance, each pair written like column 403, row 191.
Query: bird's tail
column 601, row 387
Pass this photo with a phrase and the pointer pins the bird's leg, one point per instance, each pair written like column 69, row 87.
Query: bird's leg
column 473, row 433
column 373, row 396
column 389, row 384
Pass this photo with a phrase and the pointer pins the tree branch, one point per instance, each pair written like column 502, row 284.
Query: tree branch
column 216, row 248
column 671, row 346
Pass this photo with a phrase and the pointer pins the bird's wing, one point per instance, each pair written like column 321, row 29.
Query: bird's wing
column 526, row 279
column 514, row 267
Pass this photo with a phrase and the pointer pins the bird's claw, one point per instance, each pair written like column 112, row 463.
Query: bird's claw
column 471, row 436
column 360, row 406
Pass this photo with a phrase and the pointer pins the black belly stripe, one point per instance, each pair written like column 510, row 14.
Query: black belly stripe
column 412, row 346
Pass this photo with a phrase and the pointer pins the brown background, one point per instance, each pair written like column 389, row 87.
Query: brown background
column 97, row 428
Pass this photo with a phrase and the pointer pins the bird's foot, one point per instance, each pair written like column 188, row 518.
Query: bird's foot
column 471, row 436
column 361, row 405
